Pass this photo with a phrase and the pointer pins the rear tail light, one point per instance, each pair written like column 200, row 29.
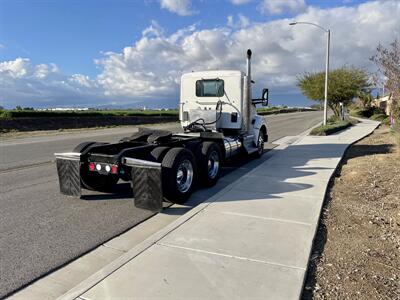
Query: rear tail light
column 114, row 169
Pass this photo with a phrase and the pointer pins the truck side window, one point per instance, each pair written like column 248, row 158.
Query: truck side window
column 210, row 88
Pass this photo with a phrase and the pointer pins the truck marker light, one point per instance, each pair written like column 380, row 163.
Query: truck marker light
column 108, row 168
column 98, row 167
column 114, row 169
column 91, row 166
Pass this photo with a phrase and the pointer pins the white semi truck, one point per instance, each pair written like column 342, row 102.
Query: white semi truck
column 219, row 120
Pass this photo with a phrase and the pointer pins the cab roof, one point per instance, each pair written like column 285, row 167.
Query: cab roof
column 214, row 74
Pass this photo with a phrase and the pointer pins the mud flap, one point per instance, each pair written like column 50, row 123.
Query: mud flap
column 146, row 183
column 68, row 169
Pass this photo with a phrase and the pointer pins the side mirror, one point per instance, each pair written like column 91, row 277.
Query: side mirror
column 264, row 97
column 263, row 100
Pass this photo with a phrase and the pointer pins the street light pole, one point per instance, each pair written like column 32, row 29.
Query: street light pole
column 328, row 41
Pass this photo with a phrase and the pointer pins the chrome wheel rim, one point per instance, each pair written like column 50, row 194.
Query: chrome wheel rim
column 260, row 144
column 213, row 164
column 184, row 176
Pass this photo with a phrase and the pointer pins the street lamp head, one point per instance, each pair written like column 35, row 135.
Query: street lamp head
column 309, row 23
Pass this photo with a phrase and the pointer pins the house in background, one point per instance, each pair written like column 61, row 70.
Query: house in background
column 384, row 103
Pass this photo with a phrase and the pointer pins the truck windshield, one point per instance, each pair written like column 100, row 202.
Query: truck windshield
column 210, row 88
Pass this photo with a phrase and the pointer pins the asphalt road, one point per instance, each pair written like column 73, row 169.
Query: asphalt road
column 42, row 230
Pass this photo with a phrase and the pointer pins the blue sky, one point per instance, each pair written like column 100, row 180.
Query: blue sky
column 71, row 53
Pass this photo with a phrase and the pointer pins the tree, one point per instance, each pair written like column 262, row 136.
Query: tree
column 344, row 84
column 388, row 62
column 366, row 98
column 317, row 106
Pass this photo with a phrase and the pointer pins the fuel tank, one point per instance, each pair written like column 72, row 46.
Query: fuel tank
column 232, row 146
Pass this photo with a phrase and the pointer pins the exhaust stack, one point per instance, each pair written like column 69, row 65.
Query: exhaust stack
column 247, row 94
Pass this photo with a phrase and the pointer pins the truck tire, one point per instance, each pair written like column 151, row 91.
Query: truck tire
column 209, row 162
column 92, row 180
column 179, row 174
column 260, row 144
column 158, row 154
column 82, row 147
column 193, row 146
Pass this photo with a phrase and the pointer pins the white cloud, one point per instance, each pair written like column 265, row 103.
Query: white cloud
column 43, row 70
column 242, row 21
column 16, row 68
column 179, row 7
column 240, row 2
column 150, row 69
column 23, row 83
column 82, row 81
column 278, row 7
column 153, row 65
column 154, row 30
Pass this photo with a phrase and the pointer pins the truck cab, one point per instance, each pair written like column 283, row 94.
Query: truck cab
column 202, row 91
column 217, row 101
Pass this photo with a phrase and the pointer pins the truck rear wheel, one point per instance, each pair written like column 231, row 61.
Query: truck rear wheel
column 210, row 159
column 179, row 174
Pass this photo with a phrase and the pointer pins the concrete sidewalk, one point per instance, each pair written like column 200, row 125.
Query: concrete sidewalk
column 251, row 240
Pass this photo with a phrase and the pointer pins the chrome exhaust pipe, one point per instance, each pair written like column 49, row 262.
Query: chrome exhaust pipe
column 247, row 94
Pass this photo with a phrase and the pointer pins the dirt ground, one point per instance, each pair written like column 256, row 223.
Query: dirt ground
column 356, row 254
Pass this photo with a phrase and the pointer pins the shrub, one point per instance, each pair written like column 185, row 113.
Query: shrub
column 366, row 112
column 386, row 121
column 5, row 114
column 358, row 112
column 330, row 128
column 378, row 117
column 333, row 119
column 317, row 107
column 89, row 113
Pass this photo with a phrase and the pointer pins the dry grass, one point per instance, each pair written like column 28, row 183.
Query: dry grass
column 357, row 250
